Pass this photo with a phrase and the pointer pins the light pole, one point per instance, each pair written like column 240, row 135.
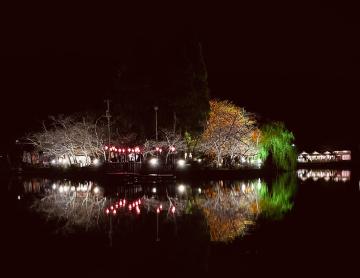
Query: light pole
column 108, row 116
column 156, row 132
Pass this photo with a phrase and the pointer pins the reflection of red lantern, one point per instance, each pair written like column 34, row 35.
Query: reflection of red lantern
column 160, row 206
column 130, row 207
column 106, row 148
column 157, row 149
column 173, row 209
column 107, row 211
column 157, row 210
column 114, row 211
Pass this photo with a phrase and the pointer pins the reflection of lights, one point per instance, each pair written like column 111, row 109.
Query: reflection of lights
column 199, row 160
column 96, row 161
column 157, row 210
column 243, row 187
column 160, row 206
column 153, row 161
column 327, row 175
column 18, row 197
column 54, row 186
column 199, row 189
column 173, row 209
column 107, row 211
column 181, row 162
column 96, row 190
column 242, row 159
column 61, row 189
column 72, row 188
column 53, row 161
column 114, row 211
column 181, row 188
column 153, row 190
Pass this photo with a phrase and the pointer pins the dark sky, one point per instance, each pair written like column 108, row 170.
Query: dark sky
column 300, row 65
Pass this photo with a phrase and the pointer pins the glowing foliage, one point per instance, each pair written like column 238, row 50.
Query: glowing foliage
column 230, row 131
column 277, row 141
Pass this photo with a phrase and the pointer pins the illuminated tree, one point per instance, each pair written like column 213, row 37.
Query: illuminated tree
column 170, row 143
column 72, row 137
column 276, row 141
column 229, row 132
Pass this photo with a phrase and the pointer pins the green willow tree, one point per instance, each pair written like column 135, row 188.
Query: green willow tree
column 276, row 145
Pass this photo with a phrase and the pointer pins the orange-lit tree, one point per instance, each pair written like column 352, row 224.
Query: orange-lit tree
column 230, row 132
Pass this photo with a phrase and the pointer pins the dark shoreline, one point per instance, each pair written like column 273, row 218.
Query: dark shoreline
column 193, row 173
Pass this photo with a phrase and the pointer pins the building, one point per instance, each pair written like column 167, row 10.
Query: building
column 316, row 157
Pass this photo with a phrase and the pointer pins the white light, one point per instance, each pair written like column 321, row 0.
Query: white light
column 181, row 188
column 153, row 161
column 61, row 189
column 153, row 190
column 53, row 161
column 96, row 161
column 72, row 188
column 181, row 162
column 54, row 186
column 96, row 190
column 242, row 159
column 199, row 160
column 66, row 188
column 18, row 197
column 199, row 190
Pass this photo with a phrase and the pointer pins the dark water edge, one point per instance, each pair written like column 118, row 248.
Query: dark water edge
column 321, row 235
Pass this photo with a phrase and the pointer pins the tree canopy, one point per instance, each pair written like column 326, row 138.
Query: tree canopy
column 277, row 143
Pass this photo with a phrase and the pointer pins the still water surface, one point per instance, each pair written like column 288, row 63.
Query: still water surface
column 297, row 221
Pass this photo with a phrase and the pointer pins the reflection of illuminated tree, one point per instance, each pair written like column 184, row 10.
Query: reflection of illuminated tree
column 75, row 207
column 275, row 203
column 229, row 211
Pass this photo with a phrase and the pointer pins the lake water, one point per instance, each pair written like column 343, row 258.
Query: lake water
column 297, row 222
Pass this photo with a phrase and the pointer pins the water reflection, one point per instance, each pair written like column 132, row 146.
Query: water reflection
column 327, row 175
column 229, row 208
column 72, row 204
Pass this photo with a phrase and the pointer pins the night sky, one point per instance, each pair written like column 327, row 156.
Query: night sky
column 297, row 65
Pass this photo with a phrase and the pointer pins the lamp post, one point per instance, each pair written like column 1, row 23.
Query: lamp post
column 156, row 132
